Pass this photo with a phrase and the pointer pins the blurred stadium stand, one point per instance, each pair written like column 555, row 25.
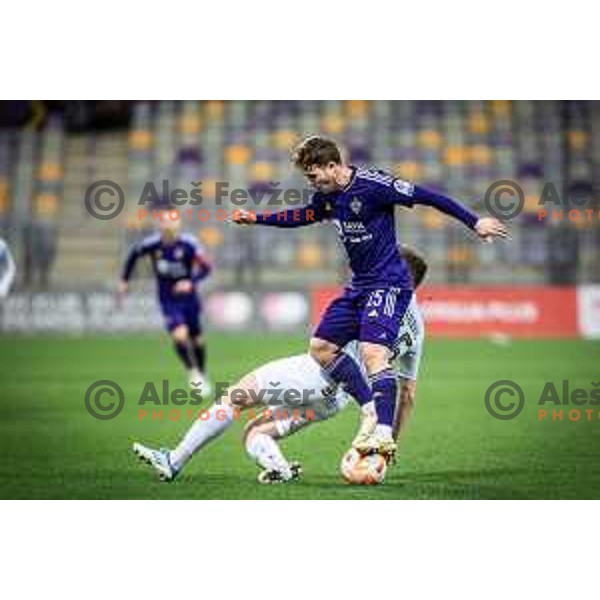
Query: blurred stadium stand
column 50, row 152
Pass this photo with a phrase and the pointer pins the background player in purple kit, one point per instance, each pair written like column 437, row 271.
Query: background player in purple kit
column 179, row 264
column 361, row 202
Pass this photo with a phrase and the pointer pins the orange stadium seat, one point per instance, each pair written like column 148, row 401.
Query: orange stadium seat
column 210, row 236
column 531, row 203
column 357, row 109
column 208, row 188
column 430, row 139
column 309, row 256
column 285, row 139
column 460, row 255
column 409, row 169
column 46, row 205
column 478, row 123
column 578, row 140
column 214, row 109
column 481, row 154
column 140, row 139
column 4, row 196
column 191, row 124
column 50, row 172
column 333, row 124
column 456, row 155
column 261, row 171
column 237, row 154
column 501, row 108
column 432, row 219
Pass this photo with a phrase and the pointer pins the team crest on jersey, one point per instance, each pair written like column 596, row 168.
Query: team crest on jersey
column 179, row 253
column 404, row 187
column 356, row 205
column 162, row 266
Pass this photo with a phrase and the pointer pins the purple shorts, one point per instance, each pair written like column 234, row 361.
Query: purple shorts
column 183, row 311
column 372, row 315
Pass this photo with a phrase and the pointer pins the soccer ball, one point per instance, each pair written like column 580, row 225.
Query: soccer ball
column 363, row 470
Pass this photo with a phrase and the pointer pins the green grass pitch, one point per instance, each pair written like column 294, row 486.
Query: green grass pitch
column 50, row 447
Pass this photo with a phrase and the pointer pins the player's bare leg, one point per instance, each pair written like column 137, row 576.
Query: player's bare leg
column 405, row 406
column 383, row 384
column 260, row 437
column 322, row 351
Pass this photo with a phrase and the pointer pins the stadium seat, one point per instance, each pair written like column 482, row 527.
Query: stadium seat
column 309, row 256
column 4, row 196
column 237, row 154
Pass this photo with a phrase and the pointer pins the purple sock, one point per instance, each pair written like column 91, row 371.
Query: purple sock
column 183, row 352
column 384, row 386
column 344, row 370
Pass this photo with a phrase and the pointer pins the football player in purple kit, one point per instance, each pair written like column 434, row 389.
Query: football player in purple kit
column 179, row 264
column 360, row 202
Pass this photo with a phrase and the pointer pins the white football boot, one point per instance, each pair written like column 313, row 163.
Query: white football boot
column 201, row 382
column 159, row 460
column 270, row 477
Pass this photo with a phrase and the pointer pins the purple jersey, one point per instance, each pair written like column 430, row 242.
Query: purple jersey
column 173, row 261
column 363, row 213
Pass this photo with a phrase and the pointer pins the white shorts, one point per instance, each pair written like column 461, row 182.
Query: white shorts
column 407, row 365
column 306, row 394
column 408, row 347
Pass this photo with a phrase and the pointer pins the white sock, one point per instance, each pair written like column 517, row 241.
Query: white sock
column 383, row 431
column 202, row 432
column 368, row 409
column 266, row 452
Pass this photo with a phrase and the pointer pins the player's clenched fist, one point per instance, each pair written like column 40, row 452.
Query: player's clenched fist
column 243, row 217
column 488, row 228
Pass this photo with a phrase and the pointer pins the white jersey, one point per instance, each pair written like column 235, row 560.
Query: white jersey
column 302, row 377
column 7, row 269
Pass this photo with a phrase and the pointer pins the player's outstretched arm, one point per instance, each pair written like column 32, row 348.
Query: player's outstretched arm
column 487, row 228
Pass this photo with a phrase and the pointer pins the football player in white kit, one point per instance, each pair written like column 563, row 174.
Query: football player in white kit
column 7, row 269
column 304, row 395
